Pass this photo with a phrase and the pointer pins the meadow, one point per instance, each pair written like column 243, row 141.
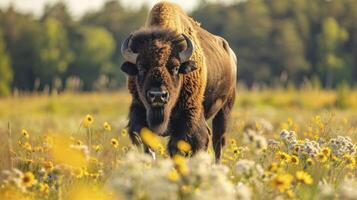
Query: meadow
column 281, row 144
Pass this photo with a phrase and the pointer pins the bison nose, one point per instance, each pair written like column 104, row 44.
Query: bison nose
column 157, row 97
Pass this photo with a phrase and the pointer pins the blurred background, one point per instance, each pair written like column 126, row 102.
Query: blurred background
column 75, row 45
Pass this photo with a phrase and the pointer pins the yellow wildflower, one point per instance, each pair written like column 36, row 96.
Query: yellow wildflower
column 78, row 172
column 161, row 150
column 304, row 177
column 79, row 142
column 283, row 156
column 273, row 167
column 258, row 125
column 232, row 142
column 124, row 132
column 335, row 159
column 349, row 160
column 48, row 165
column 309, row 161
column 87, row 121
column 294, row 159
column 150, row 138
column 183, row 146
column 63, row 152
column 345, row 121
column 114, row 143
column 85, row 171
column 27, row 146
column 267, row 175
column 326, row 151
column 44, row 188
column 180, row 164
column 321, row 157
column 25, row 134
column 97, row 148
column 173, row 175
column 282, row 182
column 301, row 141
column 296, row 149
column 290, row 193
column 185, row 189
column 290, row 122
column 107, row 126
column 236, row 153
column 28, row 179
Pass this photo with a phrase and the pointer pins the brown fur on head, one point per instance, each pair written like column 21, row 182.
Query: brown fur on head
column 158, row 67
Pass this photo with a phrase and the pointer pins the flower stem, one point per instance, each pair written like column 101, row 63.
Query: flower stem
column 89, row 139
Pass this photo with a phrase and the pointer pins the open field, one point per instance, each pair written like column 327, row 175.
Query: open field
column 314, row 158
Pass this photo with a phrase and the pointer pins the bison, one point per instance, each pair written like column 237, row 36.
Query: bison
column 179, row 76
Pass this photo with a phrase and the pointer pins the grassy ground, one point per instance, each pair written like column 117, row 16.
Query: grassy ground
column 50, row 134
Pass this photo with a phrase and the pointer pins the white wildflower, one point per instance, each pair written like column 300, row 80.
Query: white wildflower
column 347, row 190
column 243, row 192
column 245, row 167
column 341, row 146
column 326, row 190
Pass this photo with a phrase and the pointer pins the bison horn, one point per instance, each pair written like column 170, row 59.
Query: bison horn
column 127, row 53
column 186, row 54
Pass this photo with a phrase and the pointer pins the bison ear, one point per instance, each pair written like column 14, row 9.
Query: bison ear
column 129, row 68
column 187, row 67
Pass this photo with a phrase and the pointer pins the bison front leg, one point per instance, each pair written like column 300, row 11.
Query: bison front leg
column 195, row 133
column 137, row 121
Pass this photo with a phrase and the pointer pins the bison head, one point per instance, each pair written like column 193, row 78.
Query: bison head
column 158, row 59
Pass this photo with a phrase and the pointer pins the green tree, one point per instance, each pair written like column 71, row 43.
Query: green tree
column 22, row 35
column 120, row 22
column 212, row 15
column 289, row 54
column 93, row 55
column 59, row 12
column 250, row 35
column 55, row 54
column 330, row 43
column 350, row 22
column 5, row 69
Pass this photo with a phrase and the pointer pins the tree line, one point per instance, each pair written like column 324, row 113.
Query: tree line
column 278, row 42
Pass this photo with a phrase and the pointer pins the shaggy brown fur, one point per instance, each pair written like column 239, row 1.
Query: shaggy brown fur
column 205, row 89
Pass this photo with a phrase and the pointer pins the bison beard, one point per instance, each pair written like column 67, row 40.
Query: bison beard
column 158, row 119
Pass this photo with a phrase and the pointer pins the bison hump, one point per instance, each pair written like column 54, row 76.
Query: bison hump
column 169, row 15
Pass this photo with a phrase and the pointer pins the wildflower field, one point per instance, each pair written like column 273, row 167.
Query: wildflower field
column 281, row 144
